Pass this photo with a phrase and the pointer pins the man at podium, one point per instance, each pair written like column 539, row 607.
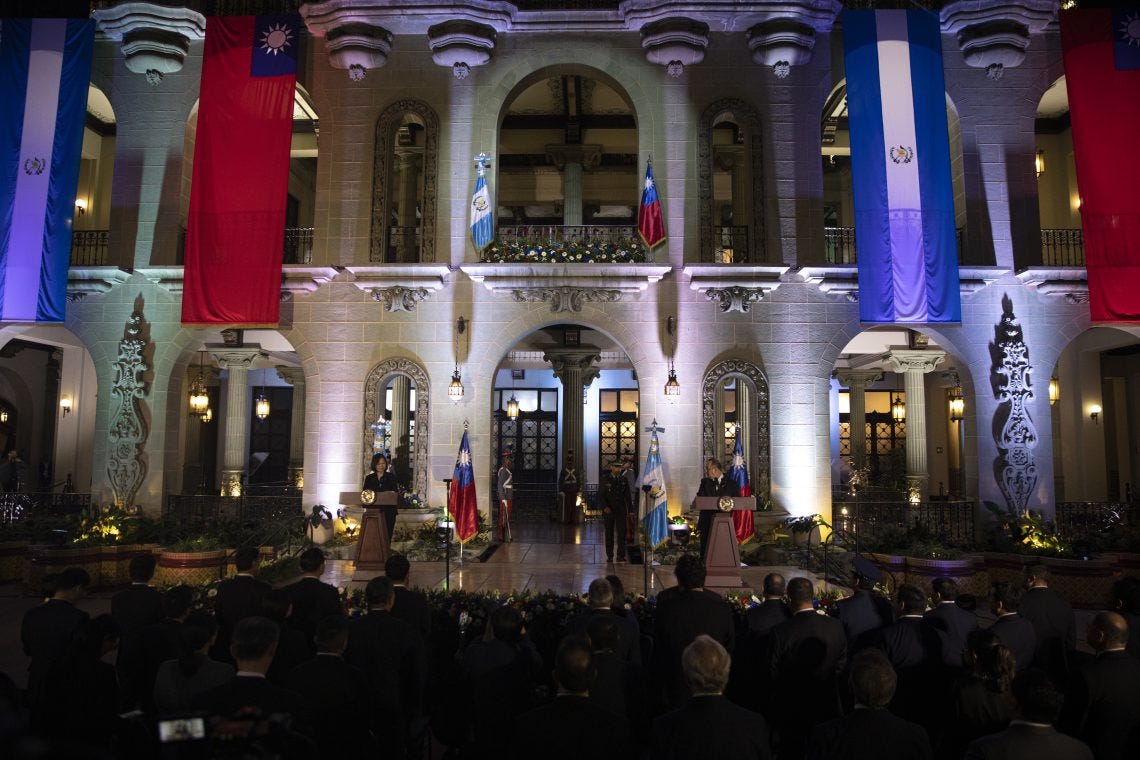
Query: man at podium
column 713, row 484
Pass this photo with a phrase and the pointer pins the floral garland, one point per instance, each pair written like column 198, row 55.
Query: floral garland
column 627, row 251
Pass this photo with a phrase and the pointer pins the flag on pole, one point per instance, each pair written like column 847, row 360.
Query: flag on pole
column 1101, row 48
column 45, row 70
column 738, row 473
column 900, row 164
column 235, row 231
column 482, row 219
column 461, row 503
column 656, row 510
column 650, row 223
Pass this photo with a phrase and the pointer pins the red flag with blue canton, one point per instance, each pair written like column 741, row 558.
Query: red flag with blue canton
column 738, row 473
column 1102, row 73
column 650, row 223
column 461, row 503
column 235, row 231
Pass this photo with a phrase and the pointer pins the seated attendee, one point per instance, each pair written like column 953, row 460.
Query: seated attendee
column 1031, row 735
column 571, row 727
column 46, row 629
column 952, row 622
column 870, row 731
column 1014, row 631
column 292, row 648
column 980, row 699
column 1102, row 704
column 865, row 612
column 237, row 599
column 1053, row 623
column 410, row 606
column 313, row 599
column 179, row 681
column 600, row 598
column 709, row 726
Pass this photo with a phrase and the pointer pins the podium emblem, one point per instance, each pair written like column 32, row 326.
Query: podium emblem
column 367, row 496
column 725, row 504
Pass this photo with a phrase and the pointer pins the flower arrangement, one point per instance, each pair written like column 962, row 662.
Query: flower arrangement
column 626, row 251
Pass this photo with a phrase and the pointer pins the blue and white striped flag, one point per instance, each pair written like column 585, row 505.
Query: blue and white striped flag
column 45, row 70
column 482, row 221
column 656, row 517
column 900, row 163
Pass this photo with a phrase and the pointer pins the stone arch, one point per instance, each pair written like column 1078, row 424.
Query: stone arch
column 372, row 385
column 743, row 114
column 382, row 204
column 760, row 470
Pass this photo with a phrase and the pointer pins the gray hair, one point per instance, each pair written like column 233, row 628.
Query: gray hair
column 705, row 664
column 601, row 593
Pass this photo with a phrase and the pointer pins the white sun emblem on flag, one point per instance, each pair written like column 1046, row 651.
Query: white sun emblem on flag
column 1130, row 29
column 464, row 459
column 276, row 38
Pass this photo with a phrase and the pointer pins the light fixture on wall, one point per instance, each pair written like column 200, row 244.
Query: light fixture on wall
column 1094, row 413
column 455, row 387
column 199, row 399
column 81, row 206
column 513, row 403
column 957, row 404
column 672, row 387
column 898, row 408
column 65, row 404
column 1054, row 390
column 1039, row 162
column 261, row 406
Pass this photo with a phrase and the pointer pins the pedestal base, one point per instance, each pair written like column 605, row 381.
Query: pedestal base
column 372, row 546
column 722, row 560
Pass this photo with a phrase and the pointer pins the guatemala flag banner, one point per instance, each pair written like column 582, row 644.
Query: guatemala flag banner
column 482, row 220
column 900, row 162
column 45, row 70
column 656, row 510
column 742, row 519
column 461, row 503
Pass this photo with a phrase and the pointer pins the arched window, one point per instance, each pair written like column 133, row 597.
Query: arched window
column 404, row 184
column 734, row 397
column 730, row 184
column 397, row 422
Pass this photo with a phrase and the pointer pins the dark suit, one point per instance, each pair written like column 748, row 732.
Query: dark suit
column 1102, row 706
column 336, row 703
column 749, row 684
column 571, row 728
column 412, row 607
column 976, row 710
column 499, row 678
column 1017, row 634
column 868, row 734
column 862, row 614
column 613, row 492
column 385, row 648
column 237, row 599
column 619, row 686
column 912, row 647
column 953, row 625
column 723, row 486
column 681, row 619
column 313, row 600
column 45, row 633
column 628, row 646
column 134, row 608
column 709, row 726
column 1056, row 628
column 250, row 691
column 1022, row 741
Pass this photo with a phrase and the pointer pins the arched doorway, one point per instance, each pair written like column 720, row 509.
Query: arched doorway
column 397, row 420
column 734, row 400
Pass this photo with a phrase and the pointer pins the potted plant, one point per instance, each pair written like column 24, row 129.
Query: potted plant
column 804, row 528
column 679, row 530
column 193, row 560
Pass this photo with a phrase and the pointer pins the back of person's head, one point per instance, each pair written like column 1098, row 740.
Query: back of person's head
column 946, row 588
column 275, row 605
column 177, row 601
column 507, row 624
column 574, row 665
column 1038, row 700
column 1038, row 572
column 872, row 679
column 196, row 632
column 603, row 632
column 379, row 592
column 600, row 593
column 49, row 584
column 397, row 568
column 705, row 664
column 619, row 591
column 800, row 592
column 690, row 572
column 141, row 569
column 775, row 585
column 1007, row 594
column 911, row 599
column 254, row 637
column 311, row 560
column 1108, row 630
column 245, row 558
column 332, row 634
column 72, row 579
column 990, row 660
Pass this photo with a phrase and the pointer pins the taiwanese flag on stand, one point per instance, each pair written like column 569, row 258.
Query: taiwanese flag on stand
column 650, row 223
column 236, row 229
column 461, row 502
column 738, row 474
column 1102, row 73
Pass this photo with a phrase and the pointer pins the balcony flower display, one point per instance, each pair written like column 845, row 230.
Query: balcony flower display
column 534, row 251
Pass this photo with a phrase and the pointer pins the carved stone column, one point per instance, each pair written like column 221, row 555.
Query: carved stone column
column 857, row 382
column 237, row 362
column 744, row 417
column 401, row 429
column 295, row 376
column 913, row 365
column 408, row 195
column 574, row 367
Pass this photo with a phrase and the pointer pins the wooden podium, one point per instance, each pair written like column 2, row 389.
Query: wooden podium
column 722, row 557
column 373, row 544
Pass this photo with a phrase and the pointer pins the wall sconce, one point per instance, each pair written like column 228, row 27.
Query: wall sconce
column 199, row 399
column 672, row 387
column 208, row 416
column 957, row 404
column 1054, row 390
column 898, row 409
column 1039, row 162
column 1094, row 413
column 65, row 405
column 261, row 406
column 455, row 387
column 81, row 206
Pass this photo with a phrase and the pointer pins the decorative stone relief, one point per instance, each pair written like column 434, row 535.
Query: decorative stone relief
column 373, row 384
column 760, row 473
column 566, row 298
column 734, row 298
column 781, row 43
column 1017, row 471
column 675, row 43
column 399, row 298
column 128, row 430
column 357, row 46
column 382, row 204
column 995, row 35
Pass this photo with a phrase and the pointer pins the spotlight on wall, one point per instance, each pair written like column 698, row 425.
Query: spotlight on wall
column 81, row 206
column 1094, row 413
column 65, row 405
column 1039, row 162
column 672, row 387
column 1054, row 391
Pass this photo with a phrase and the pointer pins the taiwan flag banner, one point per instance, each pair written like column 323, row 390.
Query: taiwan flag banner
column 650, row 223
column 461, row 504
column 1102, row 74
column 236, row 229
column 45, row 70
column 900, row 165
column 742, row 519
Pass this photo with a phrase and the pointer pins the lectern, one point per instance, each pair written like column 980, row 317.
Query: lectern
column 373, row 543
column 722, row 558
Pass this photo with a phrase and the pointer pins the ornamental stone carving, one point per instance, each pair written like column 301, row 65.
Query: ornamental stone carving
column 566, row 298
column 461, row 45
column 128, row 429
column 1017, row 470
column 373, row 388
column 358, row 47
column 734, row 298
column 399, row 298
column 781, row 43
column 995, row 35
column 760, row 469
column 155, row 38
column 675, row 43
column 383, row 202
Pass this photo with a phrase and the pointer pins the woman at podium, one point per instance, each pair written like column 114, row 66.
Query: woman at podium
column 381, row 479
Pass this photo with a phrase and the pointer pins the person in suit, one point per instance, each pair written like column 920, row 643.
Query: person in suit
column 952, row 622
column 620, row 686
column 865, row 612
column 179, row 681
column 292, row 646
column 1125, row 601
column 1031, row 734
column 1102, row 702
column 46, row 630
column 237, row 599
column 313, row 600
column 1014, row 631
column 709, row 726
column 748, row 683
column 568, row 487
column 714, row 483
column 806, row 654
column 979, row 700
column 504, row 482
column 600, row 598
column 160, row 641
column 381, row 479
column 571, row 727
column 912, row 647
column 870, row 729
column 613, row 493
column 410, row 606
column 1053, row 622
column 134, row 608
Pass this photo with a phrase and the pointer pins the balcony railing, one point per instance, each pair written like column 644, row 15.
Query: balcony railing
column 839, row 244
column 298, row 245
column 403, row 245
column 950, row 522
column 730, row 245
column 1062, row 248
column 557, row 243
column 89, row 248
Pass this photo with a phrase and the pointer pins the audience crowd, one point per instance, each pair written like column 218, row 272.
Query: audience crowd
column 284, row 673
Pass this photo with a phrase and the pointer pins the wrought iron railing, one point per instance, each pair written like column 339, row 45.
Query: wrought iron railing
column 839, row 245
column 202, row 509
column 1080, row 520
column 89, row 248
column 865, row 522
column 534, row 501
column 298, row 245
column 403, row 245
column 730, row 245
column 565, row 233
column 1062, row 248
column 15, row 507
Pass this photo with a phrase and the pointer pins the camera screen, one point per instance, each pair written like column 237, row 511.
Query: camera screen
column 181, row 730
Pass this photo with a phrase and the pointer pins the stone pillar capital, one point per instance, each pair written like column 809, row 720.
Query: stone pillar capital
column 858, row 379
column 916, row 360
column 571, row 359
column 236, row 357
column 586, row 156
